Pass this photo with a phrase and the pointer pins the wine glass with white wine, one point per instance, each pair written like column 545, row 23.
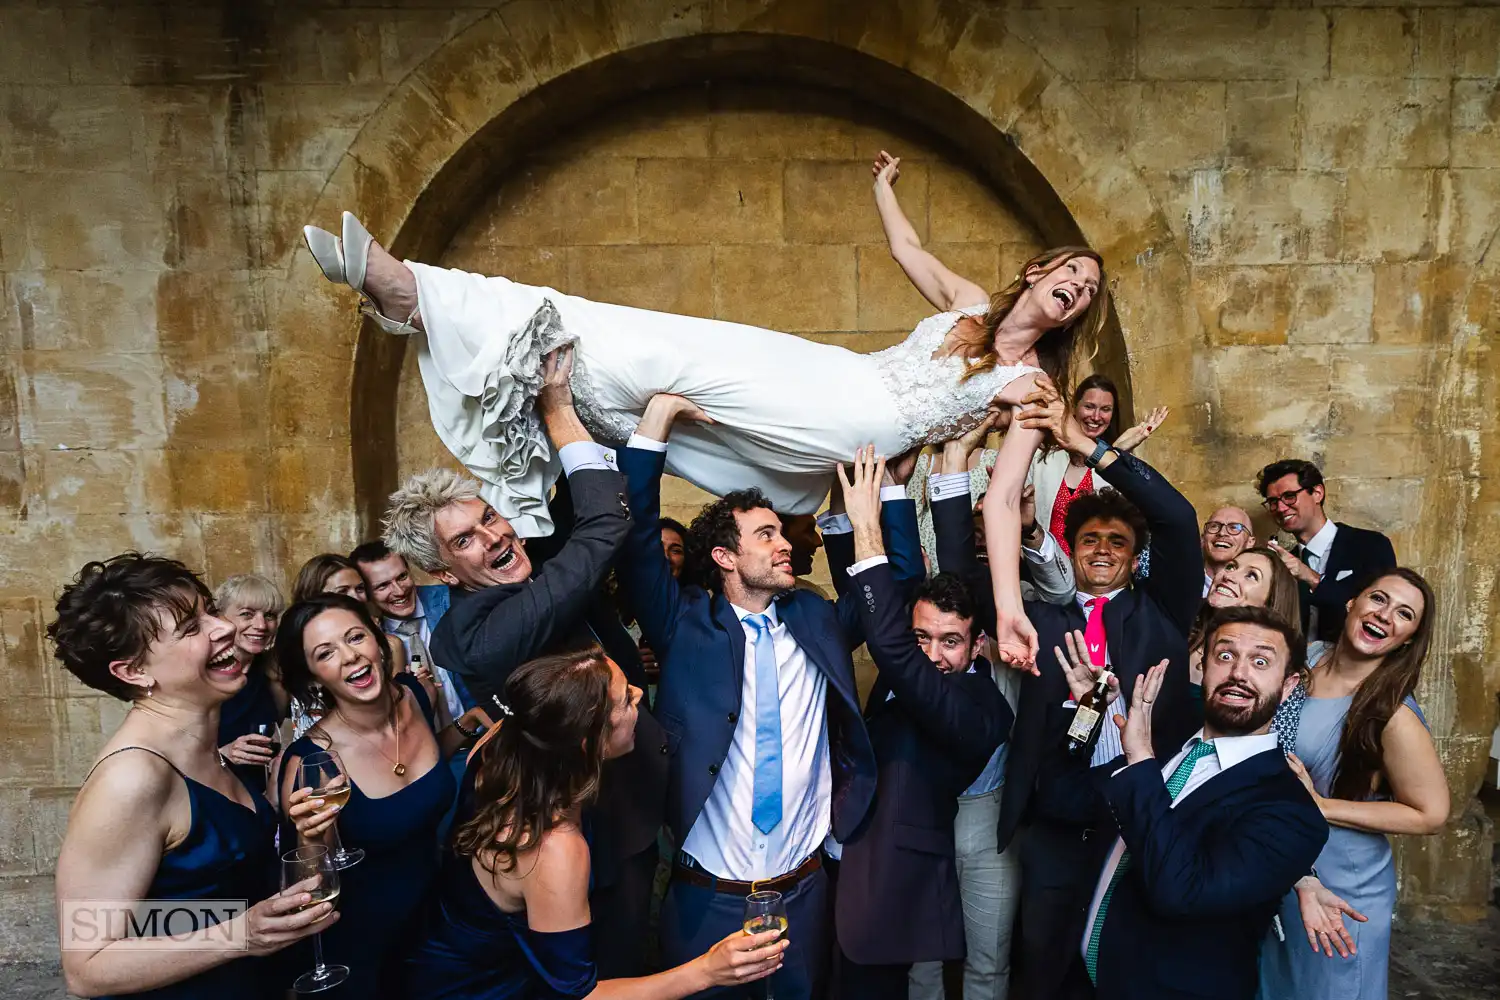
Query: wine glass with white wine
column 324, row 773
column 766, row 911
column 308, row 861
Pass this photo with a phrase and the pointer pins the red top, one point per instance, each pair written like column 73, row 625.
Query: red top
column 1065, row 498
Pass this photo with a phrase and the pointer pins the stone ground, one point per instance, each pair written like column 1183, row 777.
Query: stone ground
column 1428, row 962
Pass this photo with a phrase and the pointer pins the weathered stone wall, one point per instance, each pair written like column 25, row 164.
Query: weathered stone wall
column 1295, row 200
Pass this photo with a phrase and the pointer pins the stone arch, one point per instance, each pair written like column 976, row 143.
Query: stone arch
column 522, row 75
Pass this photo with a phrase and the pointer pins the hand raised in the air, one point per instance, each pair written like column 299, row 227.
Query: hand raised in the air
column 1133, row 437
column 557, row 390
column 861, row 488
column 887, row 169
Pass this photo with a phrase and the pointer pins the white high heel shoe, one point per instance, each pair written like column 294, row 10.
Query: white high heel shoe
column 356, row 256
column 330, row 253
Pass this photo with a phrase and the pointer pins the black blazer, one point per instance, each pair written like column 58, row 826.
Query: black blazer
column 1188, row 917
column 1357, row 554
column 701, row 647
column 486, row 634
column 932, row 739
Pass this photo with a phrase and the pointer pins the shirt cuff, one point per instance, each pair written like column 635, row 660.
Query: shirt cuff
column 889, row 493
column 645, row 443
column 586, row 455
column 946, row 485
column 1044, row 553
column 865, row 564
column 835, row 524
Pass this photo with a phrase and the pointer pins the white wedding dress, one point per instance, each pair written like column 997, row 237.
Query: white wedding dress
column 786, row 410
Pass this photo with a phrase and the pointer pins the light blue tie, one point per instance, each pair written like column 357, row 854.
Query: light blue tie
column 765, row 810
column 1175, row 784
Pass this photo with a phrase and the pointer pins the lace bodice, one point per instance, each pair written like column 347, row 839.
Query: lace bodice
column 934, row 406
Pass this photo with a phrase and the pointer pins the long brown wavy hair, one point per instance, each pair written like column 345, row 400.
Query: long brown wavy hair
column 1380, row 696
column 1054, row 351
column 1283, row 600
column 545, row 759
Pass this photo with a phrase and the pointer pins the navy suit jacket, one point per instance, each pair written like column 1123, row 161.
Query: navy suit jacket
column 1361, row 554
column 932, row 739
column 700, row 645
column 1187, row 919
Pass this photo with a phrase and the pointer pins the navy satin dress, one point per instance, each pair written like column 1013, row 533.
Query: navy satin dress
column 473, row 950
column 252, row 705
column 382, row 898
column 229, row 853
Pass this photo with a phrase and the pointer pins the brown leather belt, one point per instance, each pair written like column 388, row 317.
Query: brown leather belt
column 781, row 883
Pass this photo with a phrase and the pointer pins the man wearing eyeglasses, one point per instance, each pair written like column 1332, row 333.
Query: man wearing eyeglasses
column 1331, row 560
column 1225, row 535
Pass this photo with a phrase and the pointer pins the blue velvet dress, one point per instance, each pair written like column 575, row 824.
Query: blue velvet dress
column 229, row 853
column 473, row 950
column 383, row 897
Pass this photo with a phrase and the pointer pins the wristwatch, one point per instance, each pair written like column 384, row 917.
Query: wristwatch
column 1101, row 447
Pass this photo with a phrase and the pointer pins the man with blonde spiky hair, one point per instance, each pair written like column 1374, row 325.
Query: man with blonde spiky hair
column 505, row 610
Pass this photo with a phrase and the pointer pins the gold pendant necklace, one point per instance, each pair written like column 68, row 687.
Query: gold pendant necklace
column 397, row 768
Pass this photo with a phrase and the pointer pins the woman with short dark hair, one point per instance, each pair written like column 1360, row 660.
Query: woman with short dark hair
column 158, row 816
column 512, row 914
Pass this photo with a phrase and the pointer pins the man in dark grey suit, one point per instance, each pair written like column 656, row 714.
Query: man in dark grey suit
column 505, row 611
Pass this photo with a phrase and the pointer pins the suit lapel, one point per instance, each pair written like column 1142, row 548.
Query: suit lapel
column 1123, row 658
column 797, row 624
column 734, row 633
column 1244, row 774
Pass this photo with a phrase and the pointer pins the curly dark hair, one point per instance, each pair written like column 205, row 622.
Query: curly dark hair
column 112, row 611
column 1105, row 504
column 1308, row 476
column 296, row 675
column 716, row 527
column 948, row 593
column 545, row 758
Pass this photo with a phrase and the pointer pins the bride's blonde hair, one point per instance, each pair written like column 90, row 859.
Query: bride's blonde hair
column 1054, row 351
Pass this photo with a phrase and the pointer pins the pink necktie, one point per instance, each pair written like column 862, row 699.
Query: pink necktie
column 1093, row 632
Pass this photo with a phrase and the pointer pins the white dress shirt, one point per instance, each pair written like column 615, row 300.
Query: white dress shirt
column 445, row 684
column 1109, row 746
column 1315, row 553
column 1228, row 751
column 723, row 840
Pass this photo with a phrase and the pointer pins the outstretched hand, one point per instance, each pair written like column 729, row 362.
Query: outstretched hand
column 1133, row 437
column 1016, row 641
column 1135, row 732
column 1082, row 675
column 861, row 488
column 1323, row 915
column 887, row 169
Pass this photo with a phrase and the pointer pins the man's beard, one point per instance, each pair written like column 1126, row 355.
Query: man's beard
column 1242, row 720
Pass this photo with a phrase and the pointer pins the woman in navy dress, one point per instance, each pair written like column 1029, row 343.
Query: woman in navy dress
column 1365, row 755
column 252, row 604
column 512, row 914
column 335, row 659
column 158, row 817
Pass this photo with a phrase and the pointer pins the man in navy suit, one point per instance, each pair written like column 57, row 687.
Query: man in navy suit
column 1332, row 561
column 1131, row 625
column 935, row 728
column 768, row 750
column 1211, row 836
column 411, row 613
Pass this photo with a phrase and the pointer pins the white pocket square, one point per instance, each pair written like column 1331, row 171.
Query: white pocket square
column 1343, row 574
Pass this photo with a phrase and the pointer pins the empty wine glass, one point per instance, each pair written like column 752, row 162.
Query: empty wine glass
column 324, row 773
column 766, row 911
column 313, row 860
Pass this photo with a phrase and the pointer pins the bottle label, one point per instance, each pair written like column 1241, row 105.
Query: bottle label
column 1083, row 724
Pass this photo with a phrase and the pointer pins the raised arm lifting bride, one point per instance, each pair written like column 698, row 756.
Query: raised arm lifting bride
column 784, row 410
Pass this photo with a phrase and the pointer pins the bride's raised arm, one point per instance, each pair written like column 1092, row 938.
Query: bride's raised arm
column 940, row 286
column 1015, row 638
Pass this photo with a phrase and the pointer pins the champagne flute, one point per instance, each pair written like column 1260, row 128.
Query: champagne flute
column 765, row 911
column 303, row 863
column 324, row 773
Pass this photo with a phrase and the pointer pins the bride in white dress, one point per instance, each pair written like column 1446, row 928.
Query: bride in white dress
column 784, row 410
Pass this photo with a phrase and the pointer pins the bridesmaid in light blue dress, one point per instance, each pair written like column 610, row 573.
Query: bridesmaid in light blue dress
column 1364, row 751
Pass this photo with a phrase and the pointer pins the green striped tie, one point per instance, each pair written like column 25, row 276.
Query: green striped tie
column 1175, row 783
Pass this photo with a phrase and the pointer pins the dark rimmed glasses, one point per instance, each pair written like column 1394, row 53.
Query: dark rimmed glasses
column 1287, row 499
column 1225, row 528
